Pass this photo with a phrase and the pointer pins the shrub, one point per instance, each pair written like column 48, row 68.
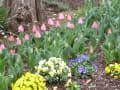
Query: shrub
column 53, row 70
column 29, row 82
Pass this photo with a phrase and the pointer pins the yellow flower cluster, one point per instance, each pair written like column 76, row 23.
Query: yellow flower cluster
column 29, row 82
column 53, row 68
column 113, row 70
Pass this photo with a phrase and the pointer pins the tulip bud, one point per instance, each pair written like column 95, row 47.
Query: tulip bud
column 54, row 42
column 58, row 34
column 109, row 44
column 61, row 16
column 34, row 29
column 12, row 51
column 66, row 44
column 20, row 28
column 57, row 24
column 48, row 38
column 103, row 1
column 26, row 38
column 2, row 47
column 37, row 35
column 18, row 42
column 11, row 38
column 68, row 25
column 75, row 39
column 43, row 27
column 95, row 25
column 80, row 21
column 91, row 50
column 47, row 32
column 69, row 18
column 50, row 22
column 109, row 31
column 72, row 26
column 31, row 50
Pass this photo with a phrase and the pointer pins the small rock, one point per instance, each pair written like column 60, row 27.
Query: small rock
column 88, row 81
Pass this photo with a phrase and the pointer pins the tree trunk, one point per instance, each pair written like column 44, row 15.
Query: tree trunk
column 24, row 12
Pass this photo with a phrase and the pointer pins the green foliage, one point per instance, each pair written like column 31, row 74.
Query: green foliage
column 3, row 83
column 73, row 86
column 3, row 20
column 60, row 4
column 15, row 69
column 3, row 61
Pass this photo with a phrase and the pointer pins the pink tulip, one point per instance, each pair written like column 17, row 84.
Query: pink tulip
column 69, row 18
column 26, row 37
column 11, row 38
column 12, row 51
column 91, row 50
column 75, row 39
column 109, row 31
column 43, row 27
column 20, row 28
column 50, row 22
column 61, row 16
column 68, row 25
column 80, row 21
column 2, row 47
column 34, row 29
column 18, row 42
column 37, row 35
column 57, row 24
column 95, row 25
column 72, row 26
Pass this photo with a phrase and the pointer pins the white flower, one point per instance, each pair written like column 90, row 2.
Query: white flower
column 51, row 73
column 59, row 59
column 42, row 62
column 50, row 63
column 55, row 88
column 3, row 33
column 54, row 71
column 59, row 72
column 69, row 74
column 5, row 36
column 52, row 59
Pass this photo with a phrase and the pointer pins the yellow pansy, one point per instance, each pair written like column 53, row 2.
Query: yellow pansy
column 107, row 70
column 115, row 77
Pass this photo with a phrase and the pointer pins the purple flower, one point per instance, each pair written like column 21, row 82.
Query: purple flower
column 69, row 64
column 79, row 59
column 85, row 57
column 71, row 61
column 80, row 69
column 94, row 66
column 85, row 71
